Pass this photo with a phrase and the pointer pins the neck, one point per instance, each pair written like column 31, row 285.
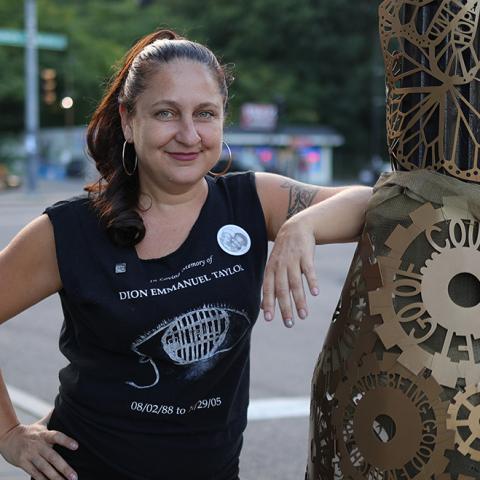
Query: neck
column 163, row 198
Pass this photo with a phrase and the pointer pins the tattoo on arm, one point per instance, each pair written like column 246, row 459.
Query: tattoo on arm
column 300, row 197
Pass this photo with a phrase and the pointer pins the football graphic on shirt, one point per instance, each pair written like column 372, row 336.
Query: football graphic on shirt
column 196, row 335
column 191, row 337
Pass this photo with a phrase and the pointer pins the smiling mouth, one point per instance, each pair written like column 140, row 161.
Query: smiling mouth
column 184, row 156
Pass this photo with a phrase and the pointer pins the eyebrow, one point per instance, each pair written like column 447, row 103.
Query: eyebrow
column 175, row 104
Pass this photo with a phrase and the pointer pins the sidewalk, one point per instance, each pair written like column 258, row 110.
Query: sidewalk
column 7, row 471
column 47, row 191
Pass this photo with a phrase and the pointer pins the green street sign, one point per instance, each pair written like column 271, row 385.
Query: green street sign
column 47, row 41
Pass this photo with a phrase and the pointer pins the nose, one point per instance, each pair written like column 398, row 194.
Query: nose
column 187, row 132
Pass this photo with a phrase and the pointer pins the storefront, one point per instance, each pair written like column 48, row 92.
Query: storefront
column 304, row 153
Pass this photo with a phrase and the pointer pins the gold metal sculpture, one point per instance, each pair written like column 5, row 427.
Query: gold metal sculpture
column 352, row 323
column 351, row 333
column 389, row 422
column 432, row 330
column 395, row 393
column 432, row 65
column 396, row 388
column 464, row 420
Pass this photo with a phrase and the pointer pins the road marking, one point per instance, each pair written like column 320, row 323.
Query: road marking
column 259, row 409
column 271, row 408
column 28, row 403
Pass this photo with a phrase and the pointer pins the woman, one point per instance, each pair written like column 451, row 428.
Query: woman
column 158, row 308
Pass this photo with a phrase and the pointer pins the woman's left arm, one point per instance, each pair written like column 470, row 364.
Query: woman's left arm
column 299, row 216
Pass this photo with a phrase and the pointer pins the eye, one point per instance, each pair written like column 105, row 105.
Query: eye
column 206, row 114
column 164, row 114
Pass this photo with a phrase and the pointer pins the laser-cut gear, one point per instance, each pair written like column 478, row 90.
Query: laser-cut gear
column 414, row 301
column 351, row 333
column 390, row 423
column 322, row 448
column 459, row 465
column 426, row 121
column 464, row 420
column 350, row 336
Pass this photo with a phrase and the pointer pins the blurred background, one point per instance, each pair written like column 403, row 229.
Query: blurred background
column 307, row 100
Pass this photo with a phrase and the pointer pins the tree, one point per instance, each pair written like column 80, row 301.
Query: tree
column 316, row 55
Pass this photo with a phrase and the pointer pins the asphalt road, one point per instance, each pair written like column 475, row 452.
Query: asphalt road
column 282, row 360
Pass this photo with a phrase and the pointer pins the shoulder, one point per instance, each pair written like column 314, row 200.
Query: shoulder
column 235, row 179
column 70, row 211
column 34, row 242
column 237, row 186
column 39, row 230
column 237, row 194
column 28, row 268
column 78, row 202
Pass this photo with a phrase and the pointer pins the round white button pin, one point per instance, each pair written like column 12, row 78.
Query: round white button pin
column 233, row 240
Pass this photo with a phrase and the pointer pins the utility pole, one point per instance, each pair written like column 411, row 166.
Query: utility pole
column 31, row 94
column 377, row 107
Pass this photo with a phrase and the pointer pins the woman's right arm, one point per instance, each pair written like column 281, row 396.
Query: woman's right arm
column 29, row 273
column 28, row 268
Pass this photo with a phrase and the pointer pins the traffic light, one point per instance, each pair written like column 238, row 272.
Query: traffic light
column 49, row 85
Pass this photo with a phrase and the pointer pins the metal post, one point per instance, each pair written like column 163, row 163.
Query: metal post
column 31, row 94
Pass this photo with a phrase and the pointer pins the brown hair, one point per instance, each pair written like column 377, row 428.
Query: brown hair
column 115, row 195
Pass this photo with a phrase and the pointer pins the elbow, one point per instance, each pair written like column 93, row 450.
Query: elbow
column 363, row 196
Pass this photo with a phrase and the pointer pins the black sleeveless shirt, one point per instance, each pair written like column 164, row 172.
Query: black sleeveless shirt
column 158, row 349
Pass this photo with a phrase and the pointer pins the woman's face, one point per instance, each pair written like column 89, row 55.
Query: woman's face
column 177, row 125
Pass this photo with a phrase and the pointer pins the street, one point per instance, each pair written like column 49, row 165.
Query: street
column 282, row 359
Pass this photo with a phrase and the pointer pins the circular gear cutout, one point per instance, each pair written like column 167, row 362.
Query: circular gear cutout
column 464, row 420
column 418, row 312
column 390, row 423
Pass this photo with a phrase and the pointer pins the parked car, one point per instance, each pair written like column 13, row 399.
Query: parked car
column 7, row 179
column 76, row 168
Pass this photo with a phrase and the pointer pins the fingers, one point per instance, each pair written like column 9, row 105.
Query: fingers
column 283, row 285
column 30, row 447
column 59, row 438
column 47, row 463
column 46, row 470
column 282, row 292
column 298, row 292
column 308, row 269
column 292, row 257
column 53, row 459
column 268, row 294
column 55, row 437
column 35, row 473
column 51, row 467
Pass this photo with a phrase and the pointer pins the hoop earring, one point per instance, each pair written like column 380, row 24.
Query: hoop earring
column 123, row 161
column 229, row 164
